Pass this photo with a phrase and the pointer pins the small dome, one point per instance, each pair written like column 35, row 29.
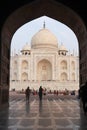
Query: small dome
column 44, row 38
column 62, row 48
column 26, row 47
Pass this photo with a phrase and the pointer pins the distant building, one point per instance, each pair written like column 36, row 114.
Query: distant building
column 44, row 62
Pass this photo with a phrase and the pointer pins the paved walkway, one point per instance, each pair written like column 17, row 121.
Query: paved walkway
column 53, row 113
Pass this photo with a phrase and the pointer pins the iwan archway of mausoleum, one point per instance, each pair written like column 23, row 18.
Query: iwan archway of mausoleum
column 25, row 14
column 44, row 70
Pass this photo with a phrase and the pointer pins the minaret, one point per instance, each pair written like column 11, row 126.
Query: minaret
column 69, row 52
column 14, row 51
column 18, row 52
column 44, row 25
column 73, row 52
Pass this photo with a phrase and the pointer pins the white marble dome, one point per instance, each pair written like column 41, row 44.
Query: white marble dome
column 26, row 47
column 62, row 48
column 44, row 38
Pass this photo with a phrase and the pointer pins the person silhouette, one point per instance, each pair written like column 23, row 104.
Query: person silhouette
column 27, row 92
column 83, row 96
column 40, row 93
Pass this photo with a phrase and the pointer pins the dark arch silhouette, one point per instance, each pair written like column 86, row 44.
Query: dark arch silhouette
column 26, row 13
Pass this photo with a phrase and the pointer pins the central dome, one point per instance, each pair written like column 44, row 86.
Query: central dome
column 44, row 38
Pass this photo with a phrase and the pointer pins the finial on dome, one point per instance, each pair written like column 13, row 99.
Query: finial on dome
column 44, row 25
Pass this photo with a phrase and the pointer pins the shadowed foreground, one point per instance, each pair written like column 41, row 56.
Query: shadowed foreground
column 52, row 113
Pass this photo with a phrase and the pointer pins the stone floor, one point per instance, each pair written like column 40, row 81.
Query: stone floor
column 53, row 113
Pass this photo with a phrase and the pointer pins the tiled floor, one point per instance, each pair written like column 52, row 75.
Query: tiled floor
column 53, row 113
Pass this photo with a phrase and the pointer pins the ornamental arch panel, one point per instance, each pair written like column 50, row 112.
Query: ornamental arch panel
column 15, row 76
column 63, row 65
column 15, row 64
column 73, row 76
column 24, row 64
column 44, row 70
column 63, row 76
column 24, row 76
column 73, row 65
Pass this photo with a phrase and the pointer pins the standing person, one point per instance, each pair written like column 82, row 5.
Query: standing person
column 83, row 96
column 27, row 92
column 40, row 93
column 57, row 92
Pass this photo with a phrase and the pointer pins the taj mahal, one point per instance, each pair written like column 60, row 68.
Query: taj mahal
column 44, row 62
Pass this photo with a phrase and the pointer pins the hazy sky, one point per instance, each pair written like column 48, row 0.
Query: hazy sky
column 63, row 33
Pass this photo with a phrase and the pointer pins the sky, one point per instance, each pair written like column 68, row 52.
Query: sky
column 63, row 33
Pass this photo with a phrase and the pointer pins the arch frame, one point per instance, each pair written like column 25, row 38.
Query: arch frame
column 50, row 8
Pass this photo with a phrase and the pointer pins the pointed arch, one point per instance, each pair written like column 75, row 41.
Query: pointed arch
column 24, row 76
column 63, row 76
column 44, row 70
column 29, row 12
column 73, row 65
column 15, row 64
column 73, row 76
column 24, row 64
column 63, row 64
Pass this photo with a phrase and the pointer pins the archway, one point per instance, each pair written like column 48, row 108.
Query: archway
column 44, row 70
column 27, row 13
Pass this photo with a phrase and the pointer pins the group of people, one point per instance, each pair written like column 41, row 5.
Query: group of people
column 28, row 91
column 83, row 96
